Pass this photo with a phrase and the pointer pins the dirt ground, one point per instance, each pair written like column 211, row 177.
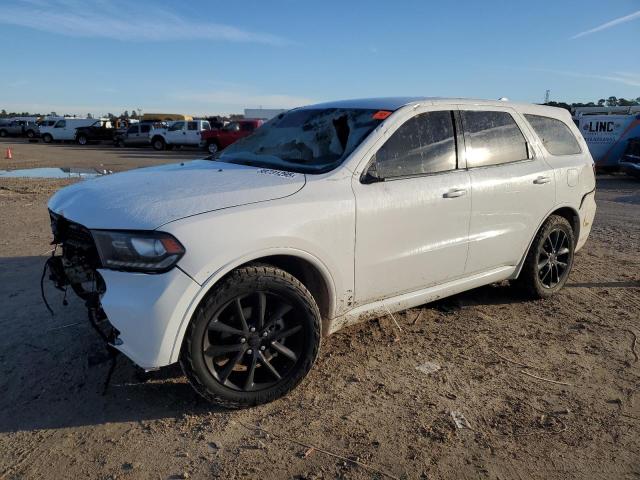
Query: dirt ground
column 549, row 389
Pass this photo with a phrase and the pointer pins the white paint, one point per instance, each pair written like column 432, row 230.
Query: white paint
column 379, row 248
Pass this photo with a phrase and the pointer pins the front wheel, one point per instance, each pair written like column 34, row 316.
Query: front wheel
column 82, row 140
column 3, row 133
column 31, row 134
column 549, row 259
column 47, row 138
column 252, row 339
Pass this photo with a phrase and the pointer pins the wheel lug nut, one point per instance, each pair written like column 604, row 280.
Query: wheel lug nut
column 264, row 334
column 252, row 329
column 242, row 340
column 249, row 352
column 262, row 348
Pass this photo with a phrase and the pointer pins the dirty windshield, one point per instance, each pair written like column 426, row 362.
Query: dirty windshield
column 304, row 140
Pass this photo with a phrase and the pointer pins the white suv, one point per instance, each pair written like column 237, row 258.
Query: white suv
column 180, row 133
column 328, row 215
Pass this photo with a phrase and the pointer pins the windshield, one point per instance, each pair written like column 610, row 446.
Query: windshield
column 304, row 140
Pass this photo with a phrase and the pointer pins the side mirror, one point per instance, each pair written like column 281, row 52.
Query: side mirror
column 371, row 173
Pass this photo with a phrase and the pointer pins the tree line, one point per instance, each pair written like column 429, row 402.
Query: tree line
column 608, row 102
column 4, row 114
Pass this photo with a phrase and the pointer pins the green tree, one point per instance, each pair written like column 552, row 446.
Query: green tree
column 601, row 102
column 612, row 101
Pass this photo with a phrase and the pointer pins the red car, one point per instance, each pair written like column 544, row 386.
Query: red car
column 216, row 140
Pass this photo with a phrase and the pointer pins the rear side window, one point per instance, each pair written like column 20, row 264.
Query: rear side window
column 554, row 134
column 192, row 126
column 422, row 145
column 247, row 127
column 146, row 128
column 492, row 138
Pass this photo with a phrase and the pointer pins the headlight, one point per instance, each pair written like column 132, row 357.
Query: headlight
column 151, row 252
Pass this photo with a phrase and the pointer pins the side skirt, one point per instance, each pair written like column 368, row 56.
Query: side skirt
column 419, row 297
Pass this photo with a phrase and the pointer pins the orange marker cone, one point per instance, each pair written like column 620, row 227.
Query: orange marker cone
column 8, row 155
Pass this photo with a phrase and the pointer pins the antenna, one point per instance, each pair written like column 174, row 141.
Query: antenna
column 547, row 94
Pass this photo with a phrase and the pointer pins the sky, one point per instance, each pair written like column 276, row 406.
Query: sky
column 209, row 57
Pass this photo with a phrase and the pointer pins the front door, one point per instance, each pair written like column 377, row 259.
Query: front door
column 412, row 212
column 512, row 187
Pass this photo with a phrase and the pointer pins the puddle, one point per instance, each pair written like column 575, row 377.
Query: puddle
column 46, row 172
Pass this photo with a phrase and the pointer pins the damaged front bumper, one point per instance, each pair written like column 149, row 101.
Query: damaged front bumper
column 138, row 314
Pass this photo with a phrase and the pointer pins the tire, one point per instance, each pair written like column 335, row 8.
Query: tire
column 3, row 133
column 31, row 134
column 47, row 138
column 286, row 340
column 212, row 148
column 549, row 260
column 82, row 140
column 158, row 143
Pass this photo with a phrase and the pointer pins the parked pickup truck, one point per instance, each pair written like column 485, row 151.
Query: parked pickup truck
column 215, row 140
column 136, row 135
column 17, row 128
column 180, row 133
column 98, row 132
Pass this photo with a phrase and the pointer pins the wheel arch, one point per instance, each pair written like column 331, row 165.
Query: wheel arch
column 307, row 268
column 567, row 212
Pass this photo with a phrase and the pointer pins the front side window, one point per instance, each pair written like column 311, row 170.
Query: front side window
column 61, row 124
column 554, row 134
column 176, row 126
column 492, row 138
column 232, row 127
column 423, row 145
column 307, row 140
column 132, row 130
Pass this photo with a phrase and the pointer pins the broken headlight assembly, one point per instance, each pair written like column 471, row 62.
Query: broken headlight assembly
column 149, row 252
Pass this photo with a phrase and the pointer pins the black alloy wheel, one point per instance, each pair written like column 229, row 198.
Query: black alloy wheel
column 549, row 260
column 254, row 338
column 553, row 259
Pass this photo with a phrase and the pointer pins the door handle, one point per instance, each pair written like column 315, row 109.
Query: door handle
column 455, row 192
column 542, row 180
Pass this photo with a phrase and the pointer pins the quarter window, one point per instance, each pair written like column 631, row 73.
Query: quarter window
column 492, row 138
column 554, row 134
column 424, row 144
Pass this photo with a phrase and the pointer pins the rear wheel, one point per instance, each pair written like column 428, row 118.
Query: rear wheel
column 158, row 143
column 252, row 339
column 549, row 259
column 82, row 140
column 31, row 134
column 212, row 148
column 47, row 138
column 3, row 133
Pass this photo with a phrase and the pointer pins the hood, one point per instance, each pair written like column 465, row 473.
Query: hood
column 147, row 198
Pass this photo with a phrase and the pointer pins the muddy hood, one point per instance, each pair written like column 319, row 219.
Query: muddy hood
column 147, row 198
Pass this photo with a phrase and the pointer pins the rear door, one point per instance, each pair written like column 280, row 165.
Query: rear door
column 412, row 223
column 132, row 137
column 513, row 187
column 143, row 136
column 192, row 136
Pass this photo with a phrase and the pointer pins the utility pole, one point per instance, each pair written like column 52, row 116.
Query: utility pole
column 546, row 96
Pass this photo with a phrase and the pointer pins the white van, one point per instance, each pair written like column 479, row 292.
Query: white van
column 65, row 129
